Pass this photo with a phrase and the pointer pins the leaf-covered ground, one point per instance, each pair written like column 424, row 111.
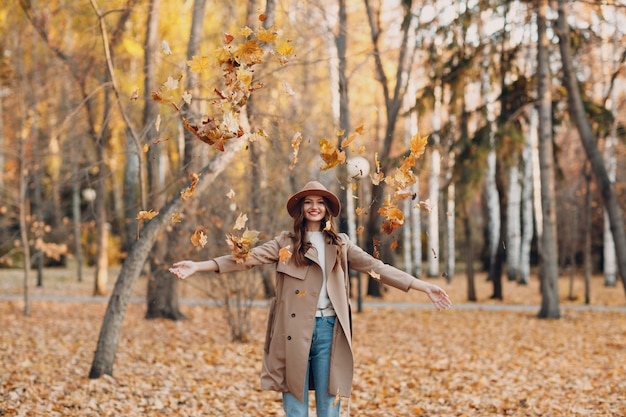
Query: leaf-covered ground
column 409, row 362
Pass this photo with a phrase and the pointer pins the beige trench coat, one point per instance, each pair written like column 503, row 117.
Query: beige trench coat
column 292, row 312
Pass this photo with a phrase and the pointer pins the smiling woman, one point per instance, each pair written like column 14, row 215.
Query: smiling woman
column 310, row 317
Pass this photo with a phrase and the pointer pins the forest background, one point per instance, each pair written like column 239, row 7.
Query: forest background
column 465, row 114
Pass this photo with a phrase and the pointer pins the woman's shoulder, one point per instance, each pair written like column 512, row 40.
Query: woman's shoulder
column 284, row 236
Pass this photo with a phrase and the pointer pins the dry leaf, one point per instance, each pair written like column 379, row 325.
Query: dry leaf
column 241, row 221
column 147, row 215
column 284, row 254
column 199, row 238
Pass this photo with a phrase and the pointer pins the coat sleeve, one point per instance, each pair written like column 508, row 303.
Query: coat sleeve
column 267, row 253
column 361, row 261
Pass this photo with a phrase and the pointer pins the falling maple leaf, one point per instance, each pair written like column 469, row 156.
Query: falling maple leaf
column 190, row 191
column 295, row 145
column 418, row 145
column 285, row 49
column 176, row 218
column 241, row 221
column 240, row 246
column 267, row 35
column 171, row 83
column 347, row 141
column 198, row 238
column 147, row 215
column 165, row 47
column 198, row 63
column 330, row 155
column 284, row 254
column 228, row 38
column 249, row 53
column 394, row 217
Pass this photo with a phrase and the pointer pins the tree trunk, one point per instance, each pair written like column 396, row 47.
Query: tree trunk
column 514, row 226
column 393, row 103
column 162, row 291
column 131, row 269
column 587, row 254
column 469, row 256
column 527, row 199
column 577, row 113
column 549, row 250
column 433, row 252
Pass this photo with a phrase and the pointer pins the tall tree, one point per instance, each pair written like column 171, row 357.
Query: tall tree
column 104, row 356
column 162, row 294
column 393, row 94
column 549, row 252
column 577, row 112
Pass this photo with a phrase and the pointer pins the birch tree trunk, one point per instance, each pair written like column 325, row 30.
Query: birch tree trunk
column 528, row 229
column 492, row 198
column 610, row 261
column 514, row 227
column 577, row 112
column 433, row 253
column 549, row 250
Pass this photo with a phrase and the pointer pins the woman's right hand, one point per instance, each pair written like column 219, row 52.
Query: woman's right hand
column 184, row 269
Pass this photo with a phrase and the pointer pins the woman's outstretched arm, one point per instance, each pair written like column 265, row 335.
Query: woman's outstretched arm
column 185, row 269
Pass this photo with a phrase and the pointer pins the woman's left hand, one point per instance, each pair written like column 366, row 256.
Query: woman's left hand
column 439, row 297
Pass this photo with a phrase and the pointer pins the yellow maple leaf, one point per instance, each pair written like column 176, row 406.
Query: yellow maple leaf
column 223, row 55
column 198, row 63
column 147, row 215
column 176, row 218
column 330, row 155
column 285, row 48
column 284, row 254
column 249, row 53
column 267, row 35
column 359, row 129
column 348, row 141
column 418, row 145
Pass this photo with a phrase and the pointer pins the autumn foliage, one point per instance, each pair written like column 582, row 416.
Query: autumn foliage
column 409, row 361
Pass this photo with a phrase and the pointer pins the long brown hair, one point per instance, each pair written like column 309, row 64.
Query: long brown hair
column 301, row 245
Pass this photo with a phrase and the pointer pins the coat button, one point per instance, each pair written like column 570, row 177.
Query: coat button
column 297, row 291
column 293, row 314
column 288, row 337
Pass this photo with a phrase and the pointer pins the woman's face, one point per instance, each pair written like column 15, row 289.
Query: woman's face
column 314, row 209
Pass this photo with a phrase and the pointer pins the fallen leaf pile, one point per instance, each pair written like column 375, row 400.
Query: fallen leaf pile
column 409, row 362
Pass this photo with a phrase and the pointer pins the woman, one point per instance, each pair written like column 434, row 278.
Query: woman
column 308, row 343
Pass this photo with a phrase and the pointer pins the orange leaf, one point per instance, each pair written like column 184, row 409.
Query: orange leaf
column 146, row 215
column 190, row 191
column 199, row 238
column 418, row 145
column 330, row 155
column 284, row 254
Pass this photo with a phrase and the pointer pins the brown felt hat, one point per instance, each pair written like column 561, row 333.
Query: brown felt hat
column 314, row 188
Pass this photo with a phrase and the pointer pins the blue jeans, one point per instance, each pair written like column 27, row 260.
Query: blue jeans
column 319, row 365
